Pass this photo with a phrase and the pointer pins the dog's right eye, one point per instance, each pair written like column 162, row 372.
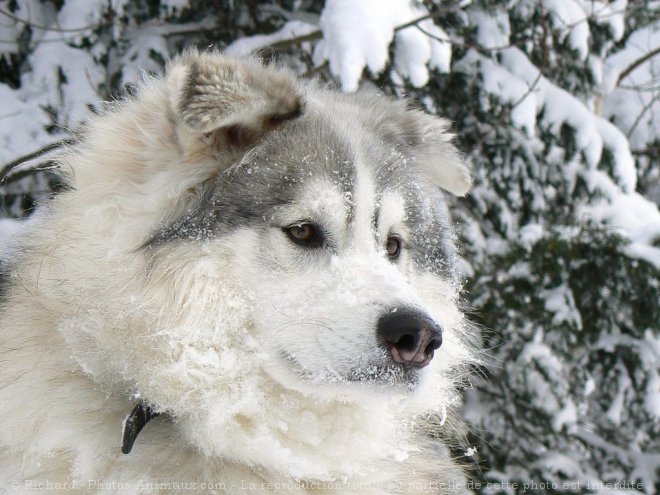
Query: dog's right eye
column 305, row 234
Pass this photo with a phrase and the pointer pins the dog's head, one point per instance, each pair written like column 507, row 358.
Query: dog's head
column 261, row 230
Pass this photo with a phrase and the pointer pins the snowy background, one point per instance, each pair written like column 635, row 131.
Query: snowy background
column 557, row 103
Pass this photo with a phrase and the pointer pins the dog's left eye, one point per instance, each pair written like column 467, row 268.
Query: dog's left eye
column 305, row 234
column 393, row 247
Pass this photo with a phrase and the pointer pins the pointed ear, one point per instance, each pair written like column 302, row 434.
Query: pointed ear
column 227, row 104
column 441, row 161
column 430, row 142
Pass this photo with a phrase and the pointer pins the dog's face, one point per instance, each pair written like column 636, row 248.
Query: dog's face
column 340, row 230
column 345, row 246
column 294, row 240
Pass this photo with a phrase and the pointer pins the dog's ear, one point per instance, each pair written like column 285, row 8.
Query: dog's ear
column 224, row 104
column 430, row 142
column 441, row 161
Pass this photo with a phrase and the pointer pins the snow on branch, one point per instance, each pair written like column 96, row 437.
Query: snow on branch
column 354, row 36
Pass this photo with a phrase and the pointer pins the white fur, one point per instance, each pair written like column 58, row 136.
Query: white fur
column 92, row 325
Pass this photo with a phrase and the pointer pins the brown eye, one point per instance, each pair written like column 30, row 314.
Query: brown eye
column 305, row 234
column 393, row 246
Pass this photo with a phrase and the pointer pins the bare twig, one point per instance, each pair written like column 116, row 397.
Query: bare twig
column 653, row 150
column 636, row 64
column 438, row 13
column 648, row 87
column 531, row 88
column 591, row 17
column 28, row 22
column 316, row 70
column 433, row 36
column 646, row 108
column 279, row 45
column 7, row 169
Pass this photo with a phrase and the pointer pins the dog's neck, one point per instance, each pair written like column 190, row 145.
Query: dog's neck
column 302, row 436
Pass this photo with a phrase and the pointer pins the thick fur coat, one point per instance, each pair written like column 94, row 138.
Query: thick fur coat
column 228, row 244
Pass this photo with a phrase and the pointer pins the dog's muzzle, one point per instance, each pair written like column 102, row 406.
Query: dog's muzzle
column 410, row 336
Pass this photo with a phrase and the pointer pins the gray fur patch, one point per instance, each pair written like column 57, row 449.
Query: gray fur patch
column 270, row 176
column 432, row 246
column 427, row 218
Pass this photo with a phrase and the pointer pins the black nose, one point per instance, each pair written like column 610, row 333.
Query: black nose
column 410, row 336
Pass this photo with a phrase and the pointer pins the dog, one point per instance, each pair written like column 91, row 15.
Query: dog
column 257, row 275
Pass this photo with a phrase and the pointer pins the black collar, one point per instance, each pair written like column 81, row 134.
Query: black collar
column 134, row 423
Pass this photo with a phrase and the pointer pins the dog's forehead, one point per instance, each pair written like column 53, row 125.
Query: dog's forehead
column 304, row 153
column 332, row 144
